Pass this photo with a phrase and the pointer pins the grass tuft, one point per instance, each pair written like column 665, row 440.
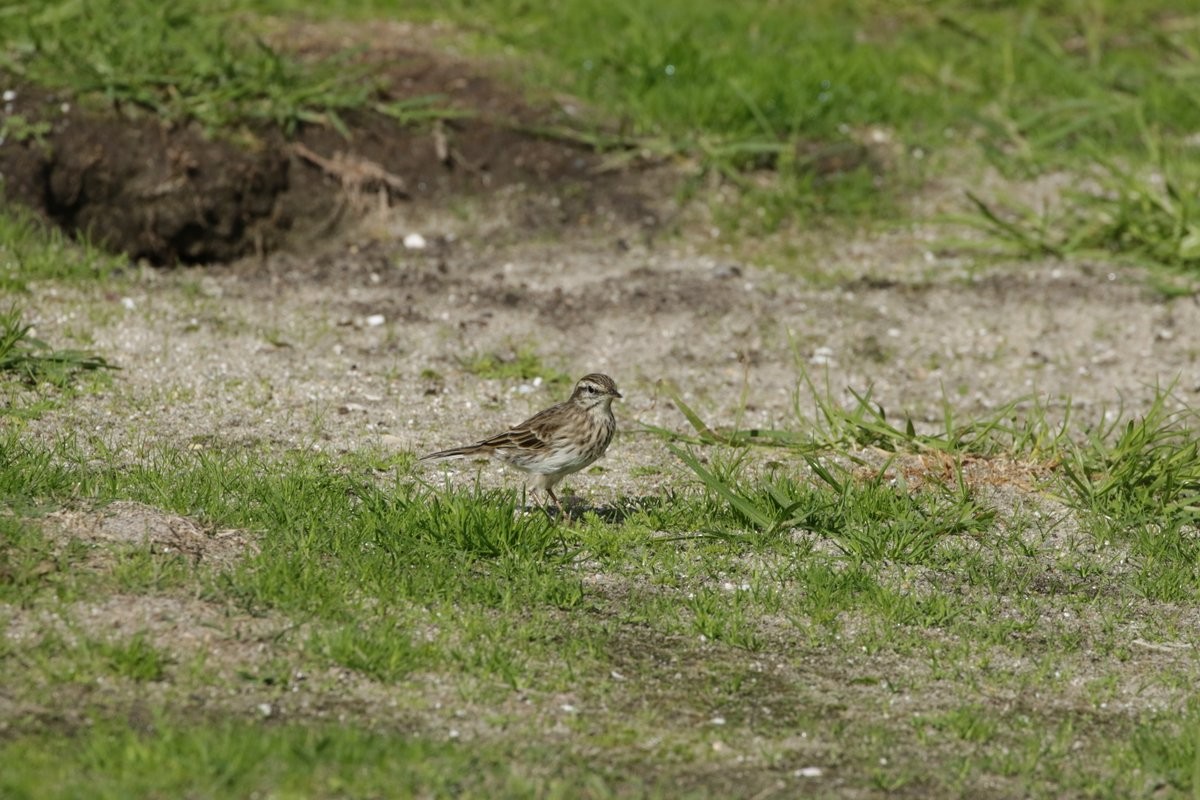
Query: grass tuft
column 136, row 659
column 382, row 650
column 34, row 361
column 1147, row 469
column 179, row 61
column 521, row 364
column 32, row 251
column 1021, row 428
column 487, row 523
column 1149, row 215
column 870, row 519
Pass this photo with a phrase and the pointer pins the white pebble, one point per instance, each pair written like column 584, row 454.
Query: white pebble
column 8, row 96
column 808, row 772
column 414, row 241
column 375, row 320
column 128, row 304
column 822, row 355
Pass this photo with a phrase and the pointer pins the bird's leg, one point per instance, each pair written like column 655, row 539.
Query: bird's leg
column 562, row 512
column 542, row 504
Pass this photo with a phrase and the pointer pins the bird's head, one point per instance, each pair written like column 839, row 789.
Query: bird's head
column 595, row 391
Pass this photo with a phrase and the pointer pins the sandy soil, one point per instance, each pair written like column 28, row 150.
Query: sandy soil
column 363, row 345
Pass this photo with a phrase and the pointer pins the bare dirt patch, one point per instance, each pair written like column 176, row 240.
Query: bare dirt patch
column 173, row 193
column 133, row 524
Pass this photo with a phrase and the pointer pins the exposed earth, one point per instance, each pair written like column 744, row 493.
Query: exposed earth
column 170, row 193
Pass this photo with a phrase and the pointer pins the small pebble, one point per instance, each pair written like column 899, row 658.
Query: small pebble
column 414, row 241
column 727, row 271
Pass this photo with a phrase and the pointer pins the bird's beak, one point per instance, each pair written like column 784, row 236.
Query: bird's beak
column 617, row 394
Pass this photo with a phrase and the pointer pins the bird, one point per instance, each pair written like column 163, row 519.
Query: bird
column 556, row 441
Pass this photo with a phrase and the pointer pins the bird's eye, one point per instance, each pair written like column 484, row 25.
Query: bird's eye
column 590, row 389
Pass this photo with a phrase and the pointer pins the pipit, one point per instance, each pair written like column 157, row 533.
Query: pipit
column 555, row 442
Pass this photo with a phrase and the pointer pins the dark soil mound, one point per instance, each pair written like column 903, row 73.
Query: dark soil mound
column 169, row 193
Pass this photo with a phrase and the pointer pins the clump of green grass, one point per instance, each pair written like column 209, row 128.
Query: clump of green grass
column 491, row 525
column 18, row 128
column 30, row 565
column 1021, row 428
column 523, row 364
column 1145, row 469
column 180, row 61
column 76, row 657
column 1138, row 483
column 32, row 251
column 34, row 361
column 870, row 519
column 192, row 61
column 1150, row 216
column 331, row 536
column 381, row 649
column 1168, row 751
column 136, row 658
column 1135, row 482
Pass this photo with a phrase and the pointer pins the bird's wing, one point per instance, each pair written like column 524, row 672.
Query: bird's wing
column 535, row 433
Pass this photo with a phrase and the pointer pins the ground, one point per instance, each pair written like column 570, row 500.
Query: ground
column 329, row 326
column 173, row 193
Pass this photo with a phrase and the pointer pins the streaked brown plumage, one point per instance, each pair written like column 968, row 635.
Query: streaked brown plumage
column 555, row 442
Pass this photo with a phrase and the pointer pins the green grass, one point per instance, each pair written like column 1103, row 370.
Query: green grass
column 521, row 364
column 1043, row 75
column 843, row 549
column 33, row 361
column 867, row 519
column 1146, row 213
column 242, row 759
column 808, row 588
column 1022, row 428
column 1146, row 470
column 31, row 251
column 826, row 110
column 744, row 87
column 183, row 61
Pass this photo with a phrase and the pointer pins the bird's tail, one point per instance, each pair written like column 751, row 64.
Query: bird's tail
column 458, row 452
